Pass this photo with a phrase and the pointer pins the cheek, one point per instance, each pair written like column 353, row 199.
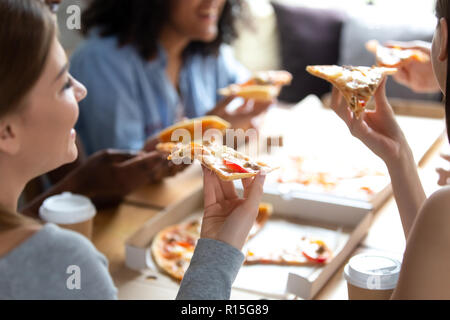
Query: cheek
column 49, row 129
column 439, row 67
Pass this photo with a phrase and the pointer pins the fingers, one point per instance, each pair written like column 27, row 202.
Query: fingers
column 221, row 106
column 339, row 105
column 445, row 157
column 444, row 177
column 246, row 184
column 228, row 190
column 114, row 155
column 150, row 144
column 381, row 100
column 256, row 191
column 417, row 44
column 209, row 194
column 141, row 164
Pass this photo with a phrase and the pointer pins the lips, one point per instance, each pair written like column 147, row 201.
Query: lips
column 210, row 14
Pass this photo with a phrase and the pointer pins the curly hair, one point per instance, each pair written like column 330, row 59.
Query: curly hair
column 139, row 23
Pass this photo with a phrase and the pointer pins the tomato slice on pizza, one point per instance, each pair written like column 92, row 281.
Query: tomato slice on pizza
column 394, row 57
column 357, row 84
column 227, row 163
column 264, row 85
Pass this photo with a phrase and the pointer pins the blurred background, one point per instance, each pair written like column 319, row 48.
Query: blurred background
column 291, row 34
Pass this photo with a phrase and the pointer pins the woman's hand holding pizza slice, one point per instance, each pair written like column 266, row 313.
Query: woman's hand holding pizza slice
column 227, row 217
column 377, row 129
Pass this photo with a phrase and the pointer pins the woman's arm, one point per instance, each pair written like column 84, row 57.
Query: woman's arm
column 227, row 221
column 380, row 132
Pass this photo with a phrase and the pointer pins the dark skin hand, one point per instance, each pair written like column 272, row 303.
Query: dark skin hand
column 108, row 175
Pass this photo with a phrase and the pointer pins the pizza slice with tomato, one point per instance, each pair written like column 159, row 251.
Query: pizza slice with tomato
column 307, row 252
column 394, row 57
column 173, row 247
column 357, row 84
column 264, row 85
column 227, row 163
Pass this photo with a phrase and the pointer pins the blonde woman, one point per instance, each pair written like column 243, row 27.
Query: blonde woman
column 38, row 110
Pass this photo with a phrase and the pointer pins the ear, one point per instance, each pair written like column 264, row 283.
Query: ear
column 443, row 51
column 9, row 138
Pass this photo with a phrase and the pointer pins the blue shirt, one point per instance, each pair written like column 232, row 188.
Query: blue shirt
column 130, row 98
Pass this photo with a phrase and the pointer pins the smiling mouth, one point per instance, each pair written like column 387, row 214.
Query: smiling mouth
column 211, row 14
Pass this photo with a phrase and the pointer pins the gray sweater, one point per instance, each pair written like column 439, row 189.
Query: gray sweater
column 59, row 264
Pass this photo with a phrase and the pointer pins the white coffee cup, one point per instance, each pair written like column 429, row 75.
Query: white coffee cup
column 371, row 277
column 70, row 211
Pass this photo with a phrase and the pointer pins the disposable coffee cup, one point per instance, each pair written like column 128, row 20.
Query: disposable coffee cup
column 69, row 211
column 371, row 277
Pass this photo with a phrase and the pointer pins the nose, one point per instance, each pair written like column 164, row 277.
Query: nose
column 79, row 90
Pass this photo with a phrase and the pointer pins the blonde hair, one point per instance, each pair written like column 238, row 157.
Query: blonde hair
column 11, row 220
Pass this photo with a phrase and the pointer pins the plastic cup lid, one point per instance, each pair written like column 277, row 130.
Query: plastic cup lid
column 372, row 272
column 67, row 208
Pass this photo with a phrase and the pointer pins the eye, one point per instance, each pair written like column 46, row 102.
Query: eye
column 68, row 85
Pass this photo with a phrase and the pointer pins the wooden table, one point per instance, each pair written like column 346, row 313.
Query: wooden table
column 113, row 227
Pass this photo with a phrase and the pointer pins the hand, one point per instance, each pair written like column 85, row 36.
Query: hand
column 227, row 217
column 416, row 75
column 444, row 175
column 242, row 117
column 107, row 176
column 378, row 129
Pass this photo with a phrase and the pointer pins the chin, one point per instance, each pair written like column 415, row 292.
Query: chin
column 72, row 155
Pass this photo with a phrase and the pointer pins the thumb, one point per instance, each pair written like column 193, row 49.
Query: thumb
column 381, row 100
column 255, row 193
column 222, row 104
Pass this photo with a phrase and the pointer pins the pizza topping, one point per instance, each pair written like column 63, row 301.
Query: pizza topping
column 234, row 167
column 316, row 251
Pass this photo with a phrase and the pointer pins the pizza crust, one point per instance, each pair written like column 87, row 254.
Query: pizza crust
column 205, row 123
column 264, row 85
column 394, row 57
column 357, row 84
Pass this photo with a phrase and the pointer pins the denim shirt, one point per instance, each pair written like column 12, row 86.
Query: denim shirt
column 130, row 98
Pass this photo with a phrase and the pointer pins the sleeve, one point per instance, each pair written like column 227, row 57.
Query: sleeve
column 110, row 115
column 229, row 66
column 212, row 271
column 62, row 265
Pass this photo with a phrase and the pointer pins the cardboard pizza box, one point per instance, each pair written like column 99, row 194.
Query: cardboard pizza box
column 342, row 232
column 320, row 141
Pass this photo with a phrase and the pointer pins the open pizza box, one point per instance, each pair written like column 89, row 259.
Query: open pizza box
column 325, row 168
column 342, row 231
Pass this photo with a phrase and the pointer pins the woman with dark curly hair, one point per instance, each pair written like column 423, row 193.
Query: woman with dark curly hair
column 148, row 64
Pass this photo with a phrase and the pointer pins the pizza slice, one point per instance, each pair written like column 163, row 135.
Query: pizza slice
column 227, row 163
column 357, row 84
column 264, row 85
column 394, row 57
column 307, row 252
column 173, row 247
column 201, row 124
